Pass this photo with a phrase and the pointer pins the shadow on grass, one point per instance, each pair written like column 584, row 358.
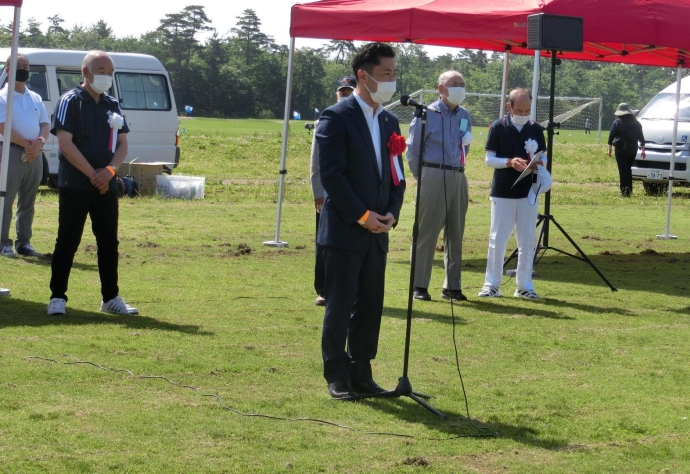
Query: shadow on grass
column 489, row 305
column 46, row 260
column 457, row 425
column 15, row 312
column 632, row 271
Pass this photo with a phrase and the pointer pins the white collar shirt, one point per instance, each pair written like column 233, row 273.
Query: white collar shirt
column 29, row 112
column 372, row 118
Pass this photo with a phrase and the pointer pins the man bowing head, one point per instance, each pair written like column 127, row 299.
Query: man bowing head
column 359, row 150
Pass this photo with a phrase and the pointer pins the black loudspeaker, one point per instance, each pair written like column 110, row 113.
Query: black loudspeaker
column 562, row 33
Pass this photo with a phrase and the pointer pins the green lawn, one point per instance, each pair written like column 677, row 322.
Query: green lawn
column 585, row 380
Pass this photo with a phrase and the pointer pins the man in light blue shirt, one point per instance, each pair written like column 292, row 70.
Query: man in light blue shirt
column 443, row 195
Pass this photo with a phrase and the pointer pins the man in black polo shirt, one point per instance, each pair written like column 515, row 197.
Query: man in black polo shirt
column 92, row 137
column 512, row 140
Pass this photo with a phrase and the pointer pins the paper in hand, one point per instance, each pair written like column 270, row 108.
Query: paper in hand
column 527, row 171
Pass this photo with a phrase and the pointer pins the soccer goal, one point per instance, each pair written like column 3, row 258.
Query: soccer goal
column 580, row 117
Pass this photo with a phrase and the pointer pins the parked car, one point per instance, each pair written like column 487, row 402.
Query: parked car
column 657, row 124
column 141, row 85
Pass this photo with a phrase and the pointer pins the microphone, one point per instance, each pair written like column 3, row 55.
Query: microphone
column 406, row 100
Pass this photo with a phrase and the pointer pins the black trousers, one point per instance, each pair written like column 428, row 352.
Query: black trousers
column 74, row 206
column 354, row 303
column 319, row 266
column 625, row 162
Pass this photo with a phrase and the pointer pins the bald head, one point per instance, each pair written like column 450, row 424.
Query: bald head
column 93, row 57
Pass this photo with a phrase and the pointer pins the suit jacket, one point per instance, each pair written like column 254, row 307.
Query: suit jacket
column 350, row 176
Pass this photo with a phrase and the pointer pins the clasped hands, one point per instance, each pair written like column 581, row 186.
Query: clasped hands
column 33, row 149
column 519, row 164
column 100, row 178
column 377, row 224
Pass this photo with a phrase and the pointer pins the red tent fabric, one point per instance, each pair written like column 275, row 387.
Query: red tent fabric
column 645, row 32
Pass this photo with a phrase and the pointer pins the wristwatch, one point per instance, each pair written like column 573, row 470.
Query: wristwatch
column 43, row 140
column 113, row 167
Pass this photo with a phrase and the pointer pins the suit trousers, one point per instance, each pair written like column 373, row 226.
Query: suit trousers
column 442, row 205
column 506, row 215
column 74, row 206
column 354, row 303
column 23, row 180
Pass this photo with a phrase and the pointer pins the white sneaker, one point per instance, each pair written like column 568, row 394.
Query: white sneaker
column 4, row 292
column 7, row 252
column 489, row 291
column 529, row 294
column 118, row 306
column 56, row 306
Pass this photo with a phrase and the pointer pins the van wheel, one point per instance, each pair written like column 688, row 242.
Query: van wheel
column 52, row 181
column 46, row 171
column 654, row 189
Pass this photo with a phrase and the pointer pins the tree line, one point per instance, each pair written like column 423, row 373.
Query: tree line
column 242, row 74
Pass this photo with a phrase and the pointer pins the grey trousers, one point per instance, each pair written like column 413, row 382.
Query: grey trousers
column 442, row 205
column 23, row 180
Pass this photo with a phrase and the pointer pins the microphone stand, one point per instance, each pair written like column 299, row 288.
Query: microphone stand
column 404, row 388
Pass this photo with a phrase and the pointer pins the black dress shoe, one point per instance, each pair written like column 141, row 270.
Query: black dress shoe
column 421, row 294
column 366, row 387
column 341, row 390
column 453, row 295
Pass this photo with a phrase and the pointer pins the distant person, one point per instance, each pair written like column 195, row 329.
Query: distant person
column 444, row 193
column 30, row 124
column 359, row 147
column 92, row 138
column 512, row 140
column 625, row 134
column 588, row 127
column 346, row 85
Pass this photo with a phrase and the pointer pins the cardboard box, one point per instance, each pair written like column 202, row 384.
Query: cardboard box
column 145, row 174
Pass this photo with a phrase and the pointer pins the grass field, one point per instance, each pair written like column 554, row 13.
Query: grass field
column 585, row 380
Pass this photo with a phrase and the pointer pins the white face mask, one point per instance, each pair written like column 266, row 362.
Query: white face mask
column 456, row 95
column 384, row 91
column 101, row 83
column 520, row 120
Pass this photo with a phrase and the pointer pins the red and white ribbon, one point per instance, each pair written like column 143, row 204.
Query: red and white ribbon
column 396, row 171
column 116, row 121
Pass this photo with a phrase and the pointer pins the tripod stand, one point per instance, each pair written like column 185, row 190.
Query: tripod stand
column 546, row 218
column 404, row 387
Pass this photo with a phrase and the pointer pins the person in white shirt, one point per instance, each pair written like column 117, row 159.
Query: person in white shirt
column 30, row 124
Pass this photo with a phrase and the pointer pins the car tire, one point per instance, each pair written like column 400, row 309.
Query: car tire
column 52, row 181
column 46, row 171
column 654, row 189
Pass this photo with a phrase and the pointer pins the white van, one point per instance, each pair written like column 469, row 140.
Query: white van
column 141, row 85
column 657, row 124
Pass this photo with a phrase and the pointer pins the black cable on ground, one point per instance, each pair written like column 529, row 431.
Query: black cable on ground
column 259, row 415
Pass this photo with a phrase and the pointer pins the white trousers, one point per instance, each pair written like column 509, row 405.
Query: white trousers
column 506, row 215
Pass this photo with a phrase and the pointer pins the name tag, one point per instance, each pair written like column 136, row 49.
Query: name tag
column 463, row 125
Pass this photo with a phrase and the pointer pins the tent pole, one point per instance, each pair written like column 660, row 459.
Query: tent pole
column 504, row 85
column 601, row 111
column 536, row 73
column 4, row 158
column 283, row 154
column 672, row 165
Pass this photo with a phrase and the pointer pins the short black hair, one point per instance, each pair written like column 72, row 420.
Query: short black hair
column 370, row 56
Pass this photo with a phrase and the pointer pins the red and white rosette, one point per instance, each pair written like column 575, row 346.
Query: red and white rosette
column 396, row 146
column 116, row 122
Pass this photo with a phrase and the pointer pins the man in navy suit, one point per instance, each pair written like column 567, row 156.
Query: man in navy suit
column 364, row 187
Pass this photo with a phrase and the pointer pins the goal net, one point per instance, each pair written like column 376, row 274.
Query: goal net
column 580, row 117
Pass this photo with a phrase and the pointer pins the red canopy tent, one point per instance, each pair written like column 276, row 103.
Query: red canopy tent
column 641, row 32
column 17, row 4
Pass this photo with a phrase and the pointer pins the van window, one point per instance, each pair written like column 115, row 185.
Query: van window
column 142, row 91
column 663, row 106
column 37, row 81
column 68, row 79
